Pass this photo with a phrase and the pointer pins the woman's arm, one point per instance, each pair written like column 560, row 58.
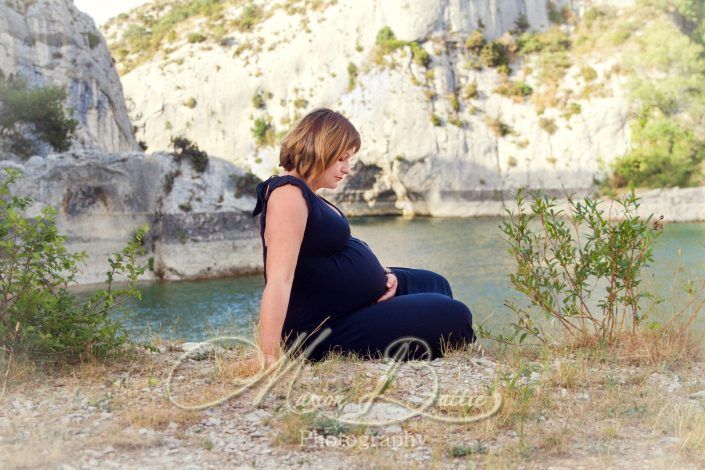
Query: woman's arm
column 284, row 230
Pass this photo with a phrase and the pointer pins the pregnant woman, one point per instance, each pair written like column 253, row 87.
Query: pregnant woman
column 319, row 277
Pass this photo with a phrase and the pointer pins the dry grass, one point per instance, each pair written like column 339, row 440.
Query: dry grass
column 157, row 416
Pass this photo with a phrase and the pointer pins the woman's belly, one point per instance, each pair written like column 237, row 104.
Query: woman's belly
column 337, row 285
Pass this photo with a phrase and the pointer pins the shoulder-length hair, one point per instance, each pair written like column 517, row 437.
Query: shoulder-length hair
column 320, row 138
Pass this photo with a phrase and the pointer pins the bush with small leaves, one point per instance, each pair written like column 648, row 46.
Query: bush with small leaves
column 190, row 103
column 578, row 266
column 39, row 317
column 454, row 103
column 183, row 148
column 41, row 109
column 420, row 55
column 258, row 101
column 387, row 41
column 246, row 184
column 494, row 54
column 470, row 91
column 499, row 128
column 249, row 17
column 548, row 125
column 436, row 120
column 93, row 39
column 352, row 75
column 665, row 154
column 263, row 132
column 475, row 41
column 511, row 89
column 193, row 38
column 588, row 73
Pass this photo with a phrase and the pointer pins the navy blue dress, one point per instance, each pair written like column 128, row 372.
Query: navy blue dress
column 338, row 280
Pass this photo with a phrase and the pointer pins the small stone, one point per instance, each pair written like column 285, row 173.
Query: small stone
column 393, row 429
column 197, row 350
column 256, row 416
column 213, row 421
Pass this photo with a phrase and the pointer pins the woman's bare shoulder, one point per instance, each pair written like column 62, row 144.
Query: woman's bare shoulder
column 288, row 196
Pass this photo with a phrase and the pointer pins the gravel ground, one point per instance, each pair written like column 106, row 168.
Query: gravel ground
column 118, row 416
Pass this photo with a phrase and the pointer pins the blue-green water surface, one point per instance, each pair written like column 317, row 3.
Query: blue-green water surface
column 471, row 253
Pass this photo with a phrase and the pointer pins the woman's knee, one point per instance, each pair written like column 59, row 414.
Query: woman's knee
column 434, row 282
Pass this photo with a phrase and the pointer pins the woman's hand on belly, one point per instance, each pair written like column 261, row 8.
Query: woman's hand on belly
column 392, row 284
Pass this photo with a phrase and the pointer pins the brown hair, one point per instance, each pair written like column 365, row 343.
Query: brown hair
column 320, row 138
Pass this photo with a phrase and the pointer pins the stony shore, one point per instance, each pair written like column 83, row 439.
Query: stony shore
column 563, row 410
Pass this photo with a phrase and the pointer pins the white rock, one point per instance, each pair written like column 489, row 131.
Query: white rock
column 47, row 42
column 436, row 170
column 392, row 429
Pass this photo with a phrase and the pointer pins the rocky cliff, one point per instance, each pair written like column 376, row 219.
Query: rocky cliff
column 201, row 223
column 50, row 42
column 444, row 133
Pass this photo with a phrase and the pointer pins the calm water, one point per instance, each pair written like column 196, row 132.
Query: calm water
column 471, row 253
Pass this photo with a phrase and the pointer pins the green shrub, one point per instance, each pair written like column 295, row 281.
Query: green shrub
column 470, row 91
column 263, row 132
column 352, row 76
column 38, row 315
column 193, row 38
column 548, row 125
column 258, row 100
column 250, row 16
column 456, row 121
column 183, row 148
column 246, row 184
column 591, row 15
column 454, row 103
column 514, row 89
column 665, row 154
column 475, row 41
column 300, row 103
column 190, row 103
column 577, row 266
column 551, row 40
column 386, row 40
column 494, row 54
column 572, row 109
column 554, row 14
column 521, row 25
column 39, row 108
column 419, row 54
column 93, row 39
column 436, row 120
column 588, row 73
column 499, row 128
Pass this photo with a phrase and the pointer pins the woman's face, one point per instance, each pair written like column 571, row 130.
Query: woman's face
column 335, row 173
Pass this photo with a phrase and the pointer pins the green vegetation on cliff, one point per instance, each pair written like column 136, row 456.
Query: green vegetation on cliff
column 26, row 111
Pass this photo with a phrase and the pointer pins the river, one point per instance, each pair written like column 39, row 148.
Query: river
column 471, row 253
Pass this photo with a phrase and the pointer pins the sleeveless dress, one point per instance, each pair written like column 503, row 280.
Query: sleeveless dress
column 338, row 280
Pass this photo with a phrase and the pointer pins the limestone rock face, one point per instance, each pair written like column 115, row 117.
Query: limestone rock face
column 50, row 42
column 201, row 223
column 459, row 165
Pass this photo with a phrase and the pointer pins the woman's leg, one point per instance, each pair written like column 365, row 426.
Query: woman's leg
column 435, row 319
column 419, row 281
